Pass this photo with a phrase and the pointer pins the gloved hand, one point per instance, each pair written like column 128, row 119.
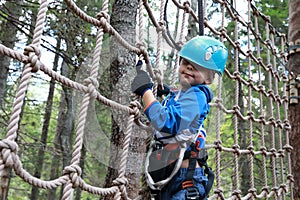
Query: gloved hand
column 142, row 82
column 163, row 91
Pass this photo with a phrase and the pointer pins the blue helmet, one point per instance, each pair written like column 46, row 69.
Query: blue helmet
column 206, row 52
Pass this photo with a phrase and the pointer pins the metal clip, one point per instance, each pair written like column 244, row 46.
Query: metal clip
column 192, row 193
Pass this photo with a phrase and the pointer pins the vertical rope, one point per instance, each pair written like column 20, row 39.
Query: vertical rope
column 250, row 100
column 261, row 109
column 92, row 84
column 218, row 191
column 271, row 117
column 141, row 24
column 286, row 123
column 159, row 47
column 141, row 40
column 237, row 110
column 124, row 156
column 25, row 77
column 280, row 168
column 176, row 64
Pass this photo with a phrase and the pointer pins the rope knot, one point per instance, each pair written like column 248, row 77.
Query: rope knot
column 223, row 31
column 120, row 181
column 218, row 144
column 92, row 85
column 34, row 54
column 262, row 119
column 237, row 75
column 236, row 149
column 251, row 149
column 74, row 172
column 251, row 82
column 273, row 151
column 135, row 106
column 236, row 108
column 219, row 101
column 288, row 148
column 161, row 26
column 9, row 149
column 187, row 7
column 104, row 15
column 261, row 88
column 287, row 125
column 263, row 151
column 252, row 191
column 251, row 115
column 142, row 46
column 236, row 192
column 157, row 75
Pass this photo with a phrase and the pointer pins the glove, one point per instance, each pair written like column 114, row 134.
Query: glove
column 142, row 82
column 165, row 91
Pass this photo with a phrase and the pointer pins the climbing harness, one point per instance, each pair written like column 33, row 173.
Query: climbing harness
column 164, row 161
column 157, row 164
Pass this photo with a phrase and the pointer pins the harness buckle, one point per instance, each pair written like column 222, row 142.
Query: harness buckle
column 192, row 193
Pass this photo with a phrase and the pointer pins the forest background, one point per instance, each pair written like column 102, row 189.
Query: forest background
column 49, row 117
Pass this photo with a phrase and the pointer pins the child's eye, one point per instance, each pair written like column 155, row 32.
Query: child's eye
column 185, row 62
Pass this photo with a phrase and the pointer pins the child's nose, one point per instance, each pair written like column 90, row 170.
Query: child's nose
column 189, row 67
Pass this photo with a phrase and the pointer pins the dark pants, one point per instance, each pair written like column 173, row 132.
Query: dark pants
column 172, row 190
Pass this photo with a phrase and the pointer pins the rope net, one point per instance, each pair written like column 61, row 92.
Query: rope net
column 263, row 87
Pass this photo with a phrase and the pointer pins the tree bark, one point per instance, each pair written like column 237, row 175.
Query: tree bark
column 294, row 109
column 8, row 37
column 122, row 70
column 294, row 36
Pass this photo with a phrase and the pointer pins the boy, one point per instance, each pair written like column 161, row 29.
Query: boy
column 179, row 118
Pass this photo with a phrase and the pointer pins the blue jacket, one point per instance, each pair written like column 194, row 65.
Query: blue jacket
column 180, row 114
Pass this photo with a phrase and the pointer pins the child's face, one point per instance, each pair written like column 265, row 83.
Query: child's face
column 190, row 75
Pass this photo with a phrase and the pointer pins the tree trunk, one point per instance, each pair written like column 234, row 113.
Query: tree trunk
column 8, row 37
column 122, row 70
column 64, row 129
column 294, row 36
column 44, row 136
column 294, row 107
column 54, row 169
column 243, row 160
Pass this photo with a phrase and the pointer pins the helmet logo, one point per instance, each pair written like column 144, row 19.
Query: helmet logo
column 208, row 55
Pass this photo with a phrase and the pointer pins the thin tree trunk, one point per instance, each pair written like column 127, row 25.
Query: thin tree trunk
column 8, row 37
column 55, row 170
column 44, row 136
column 64, row 130
column 294, row 109
column 243, row 161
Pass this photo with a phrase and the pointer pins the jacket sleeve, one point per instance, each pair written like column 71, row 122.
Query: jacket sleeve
column 188, row 112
